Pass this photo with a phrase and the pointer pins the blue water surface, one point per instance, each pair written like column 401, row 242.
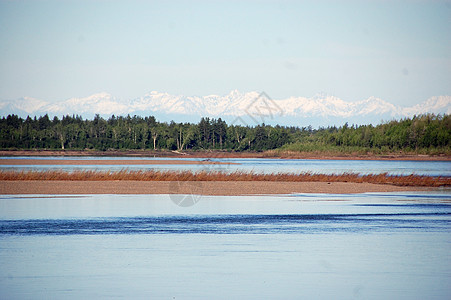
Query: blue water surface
column 360, row 246
column 262, row 165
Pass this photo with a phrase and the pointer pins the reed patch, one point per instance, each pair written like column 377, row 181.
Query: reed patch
column 154, row 175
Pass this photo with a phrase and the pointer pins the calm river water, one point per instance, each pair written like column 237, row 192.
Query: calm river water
column 310, row 246
column 263, row 165
column 364, row 246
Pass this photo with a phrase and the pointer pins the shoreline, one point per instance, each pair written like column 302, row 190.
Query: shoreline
column 85, row 162
column 213, row 188
column 203, row 183
column 222, row 154
column 237, row 176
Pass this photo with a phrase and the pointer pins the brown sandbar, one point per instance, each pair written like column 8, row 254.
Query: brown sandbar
column 225, row 188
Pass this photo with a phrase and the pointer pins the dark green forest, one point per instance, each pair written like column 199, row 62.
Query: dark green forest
column 429, row 134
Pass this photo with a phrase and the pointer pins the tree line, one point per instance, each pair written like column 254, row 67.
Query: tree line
column 421, row 133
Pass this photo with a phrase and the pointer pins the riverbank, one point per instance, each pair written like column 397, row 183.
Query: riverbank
column 237, row 176
column 107, row 162
column 219, row 188
column 225, row 154
column 208, row 183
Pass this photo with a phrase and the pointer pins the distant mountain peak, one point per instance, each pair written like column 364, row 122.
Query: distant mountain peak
column 235, row 93
column 319, row 109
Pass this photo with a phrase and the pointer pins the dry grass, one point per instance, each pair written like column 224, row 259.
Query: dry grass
column 151, row 175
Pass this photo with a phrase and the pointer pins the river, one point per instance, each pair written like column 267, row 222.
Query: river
column 363, row 246
column 259, row 165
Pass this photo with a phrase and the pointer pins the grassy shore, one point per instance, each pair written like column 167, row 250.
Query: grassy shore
column 230, row 154
column 202, row 182
column 161, row 176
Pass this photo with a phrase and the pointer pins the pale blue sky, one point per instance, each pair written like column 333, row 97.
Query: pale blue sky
column 399, row 51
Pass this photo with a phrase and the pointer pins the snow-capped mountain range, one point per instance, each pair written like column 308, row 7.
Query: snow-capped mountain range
column 249, row 108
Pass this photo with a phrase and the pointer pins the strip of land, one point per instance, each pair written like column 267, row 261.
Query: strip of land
column 95, row 162
column 208, row 183
column 223, row 188
column 225, row 154
column 173, row 176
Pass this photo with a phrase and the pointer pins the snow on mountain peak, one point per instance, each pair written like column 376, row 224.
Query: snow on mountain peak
column 436, row 105
column 26, row 104
column 234, row 93
column 292, row 110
